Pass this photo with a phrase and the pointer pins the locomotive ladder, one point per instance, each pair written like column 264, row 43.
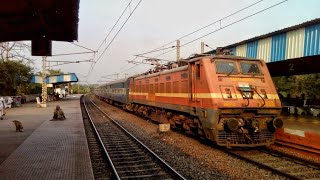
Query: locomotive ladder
column 129, row 158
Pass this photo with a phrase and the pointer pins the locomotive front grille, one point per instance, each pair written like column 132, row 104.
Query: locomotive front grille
column 225, row 138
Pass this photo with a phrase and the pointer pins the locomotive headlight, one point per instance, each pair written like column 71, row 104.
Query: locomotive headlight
column 232, row 124
column 247, row 94
column 274, row 124
column 277, row 123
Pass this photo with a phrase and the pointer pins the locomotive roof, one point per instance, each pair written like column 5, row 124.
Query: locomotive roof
column 231, row 57
column 117, row 81
column 163, row 72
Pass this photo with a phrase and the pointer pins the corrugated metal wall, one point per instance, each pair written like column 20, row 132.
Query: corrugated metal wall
column 312, row 40
column 289, row 45
column 295, row 44
column 264, row 49
column 241, row 50
column 252, row 48
column 278, row 47
column 233, row 50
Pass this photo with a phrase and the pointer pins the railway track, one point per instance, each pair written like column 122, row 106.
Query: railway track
column 298, row 147
column 100, row 164
column 278, row 163
column 128, row 157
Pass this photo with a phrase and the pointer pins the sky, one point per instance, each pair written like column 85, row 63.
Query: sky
column 156, row 22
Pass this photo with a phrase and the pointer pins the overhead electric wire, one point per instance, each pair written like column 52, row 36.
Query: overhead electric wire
column 67, row 54
column 118, row 31
column 156, row 50
column 82, row 47
column 195, row 31
column 235, row 22
column 115, row 24
column 128, row 63
column 114, row 36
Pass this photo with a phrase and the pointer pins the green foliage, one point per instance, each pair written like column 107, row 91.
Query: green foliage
column 52, row 72
column 296, row 85
column 14, row 77
column 80, row 89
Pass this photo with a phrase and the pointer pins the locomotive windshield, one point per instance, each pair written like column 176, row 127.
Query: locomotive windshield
column 224, row 67
column 250, row 68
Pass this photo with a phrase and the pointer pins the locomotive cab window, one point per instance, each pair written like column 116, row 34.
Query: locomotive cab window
column 224, row 67
column 250, row 68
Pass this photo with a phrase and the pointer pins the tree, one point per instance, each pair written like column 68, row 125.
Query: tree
column 52, row 72
column 15, row 51
column 300, row 84
column 14, row 77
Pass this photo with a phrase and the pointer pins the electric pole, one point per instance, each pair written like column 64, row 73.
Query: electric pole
column 202, row 47
column 178, row 51
column 44, row 83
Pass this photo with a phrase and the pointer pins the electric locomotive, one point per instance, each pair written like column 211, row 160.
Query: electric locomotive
column 227, row 99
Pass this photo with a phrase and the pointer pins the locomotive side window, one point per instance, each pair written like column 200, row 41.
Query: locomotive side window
column 250, row 68
column 184, row 75
column 224, row 67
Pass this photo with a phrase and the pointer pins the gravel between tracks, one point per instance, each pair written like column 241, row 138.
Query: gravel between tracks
column 187, row 155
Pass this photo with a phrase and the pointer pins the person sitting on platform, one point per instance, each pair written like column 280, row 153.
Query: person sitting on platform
column 58, row 114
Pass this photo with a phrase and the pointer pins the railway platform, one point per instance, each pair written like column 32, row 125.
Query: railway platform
column 300, row 130
column 46, row 149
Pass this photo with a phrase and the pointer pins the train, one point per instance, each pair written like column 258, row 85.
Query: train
column 226, row 99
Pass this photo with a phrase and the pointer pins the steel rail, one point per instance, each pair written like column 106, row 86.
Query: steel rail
column 100, row 140
column 270, row 168
column 261, row 165
column 289, row 157
column 164, row 164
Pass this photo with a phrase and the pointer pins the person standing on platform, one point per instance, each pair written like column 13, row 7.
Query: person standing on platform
column 2, row 107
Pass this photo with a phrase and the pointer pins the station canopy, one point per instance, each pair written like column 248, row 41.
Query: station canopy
column 56, row 79
column 41, row 21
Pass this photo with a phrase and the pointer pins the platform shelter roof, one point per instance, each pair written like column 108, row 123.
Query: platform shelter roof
column 56, row 79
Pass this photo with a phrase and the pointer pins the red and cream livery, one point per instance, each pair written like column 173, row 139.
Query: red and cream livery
column 227, row 99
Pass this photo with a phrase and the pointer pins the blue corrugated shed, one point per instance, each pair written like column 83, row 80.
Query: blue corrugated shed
column 252, row 48
column 312, row 40
column 289, row 43
column 278, row 47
